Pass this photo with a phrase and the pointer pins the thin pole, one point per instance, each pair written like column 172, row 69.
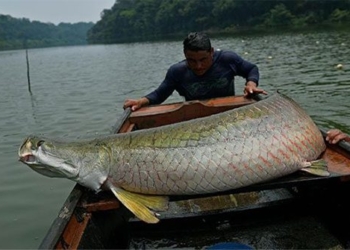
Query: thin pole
column 29, row 88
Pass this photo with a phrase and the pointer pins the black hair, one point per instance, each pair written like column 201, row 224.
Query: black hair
column 196, row 41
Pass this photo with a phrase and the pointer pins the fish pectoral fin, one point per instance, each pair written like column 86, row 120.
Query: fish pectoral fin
column 154, row 202
column 318, row 167
column 140, row 205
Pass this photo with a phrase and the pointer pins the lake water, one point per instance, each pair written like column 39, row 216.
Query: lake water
column 78, row 92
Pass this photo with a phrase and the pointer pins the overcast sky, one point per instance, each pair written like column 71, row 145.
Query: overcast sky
column 56, row 11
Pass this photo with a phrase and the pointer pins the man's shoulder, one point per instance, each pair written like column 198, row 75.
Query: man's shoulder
column 225, row 53
column 226, row 56
column 180, row 66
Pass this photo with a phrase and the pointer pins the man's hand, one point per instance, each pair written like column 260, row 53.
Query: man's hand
column 135, row 104
column 251, row 88
column 335, row 135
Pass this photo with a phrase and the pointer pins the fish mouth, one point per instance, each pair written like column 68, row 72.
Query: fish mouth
column 28, row 159
column 31, row 161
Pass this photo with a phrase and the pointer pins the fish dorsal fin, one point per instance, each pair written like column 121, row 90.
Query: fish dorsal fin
column 140, row 204
column 318, row 167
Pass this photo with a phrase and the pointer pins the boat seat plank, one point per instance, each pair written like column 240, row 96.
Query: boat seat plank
column 231, row 101
column 176, row 112
column 101, row 205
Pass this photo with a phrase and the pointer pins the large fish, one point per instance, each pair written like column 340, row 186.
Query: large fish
column 259, row 142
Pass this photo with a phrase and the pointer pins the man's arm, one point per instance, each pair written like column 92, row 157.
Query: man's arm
column 160, row 94
column 157, row 96
column 251, row 88
column 136, row 104
column 250, row 72
column 166, row 88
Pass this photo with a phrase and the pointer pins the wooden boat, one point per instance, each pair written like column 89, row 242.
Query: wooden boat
column 97, row 221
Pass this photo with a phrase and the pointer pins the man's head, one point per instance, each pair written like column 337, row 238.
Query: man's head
column 198, row 52
column 196, row 41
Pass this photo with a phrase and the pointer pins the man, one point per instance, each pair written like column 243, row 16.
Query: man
column 204, row 74
column 335, row 135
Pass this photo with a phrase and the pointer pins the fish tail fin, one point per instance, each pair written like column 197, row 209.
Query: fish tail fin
column 140, row 204
column 318, row 167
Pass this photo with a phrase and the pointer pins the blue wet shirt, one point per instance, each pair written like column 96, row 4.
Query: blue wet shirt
column 218, row 81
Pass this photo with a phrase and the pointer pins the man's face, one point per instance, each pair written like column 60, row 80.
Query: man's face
column 199, row 61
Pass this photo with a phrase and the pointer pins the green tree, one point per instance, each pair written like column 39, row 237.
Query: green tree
column 279, row 16
column 339, row 16
column 19, row 33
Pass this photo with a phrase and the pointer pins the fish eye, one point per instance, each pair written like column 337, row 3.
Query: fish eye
column 40, row 143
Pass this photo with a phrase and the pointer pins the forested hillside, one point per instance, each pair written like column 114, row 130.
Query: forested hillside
column 17, row 33
column 135, row 20
column 140, row 20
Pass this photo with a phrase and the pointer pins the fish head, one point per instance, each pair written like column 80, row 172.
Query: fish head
column 43, row 156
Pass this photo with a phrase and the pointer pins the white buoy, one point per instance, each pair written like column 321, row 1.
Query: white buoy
column 339, row 66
